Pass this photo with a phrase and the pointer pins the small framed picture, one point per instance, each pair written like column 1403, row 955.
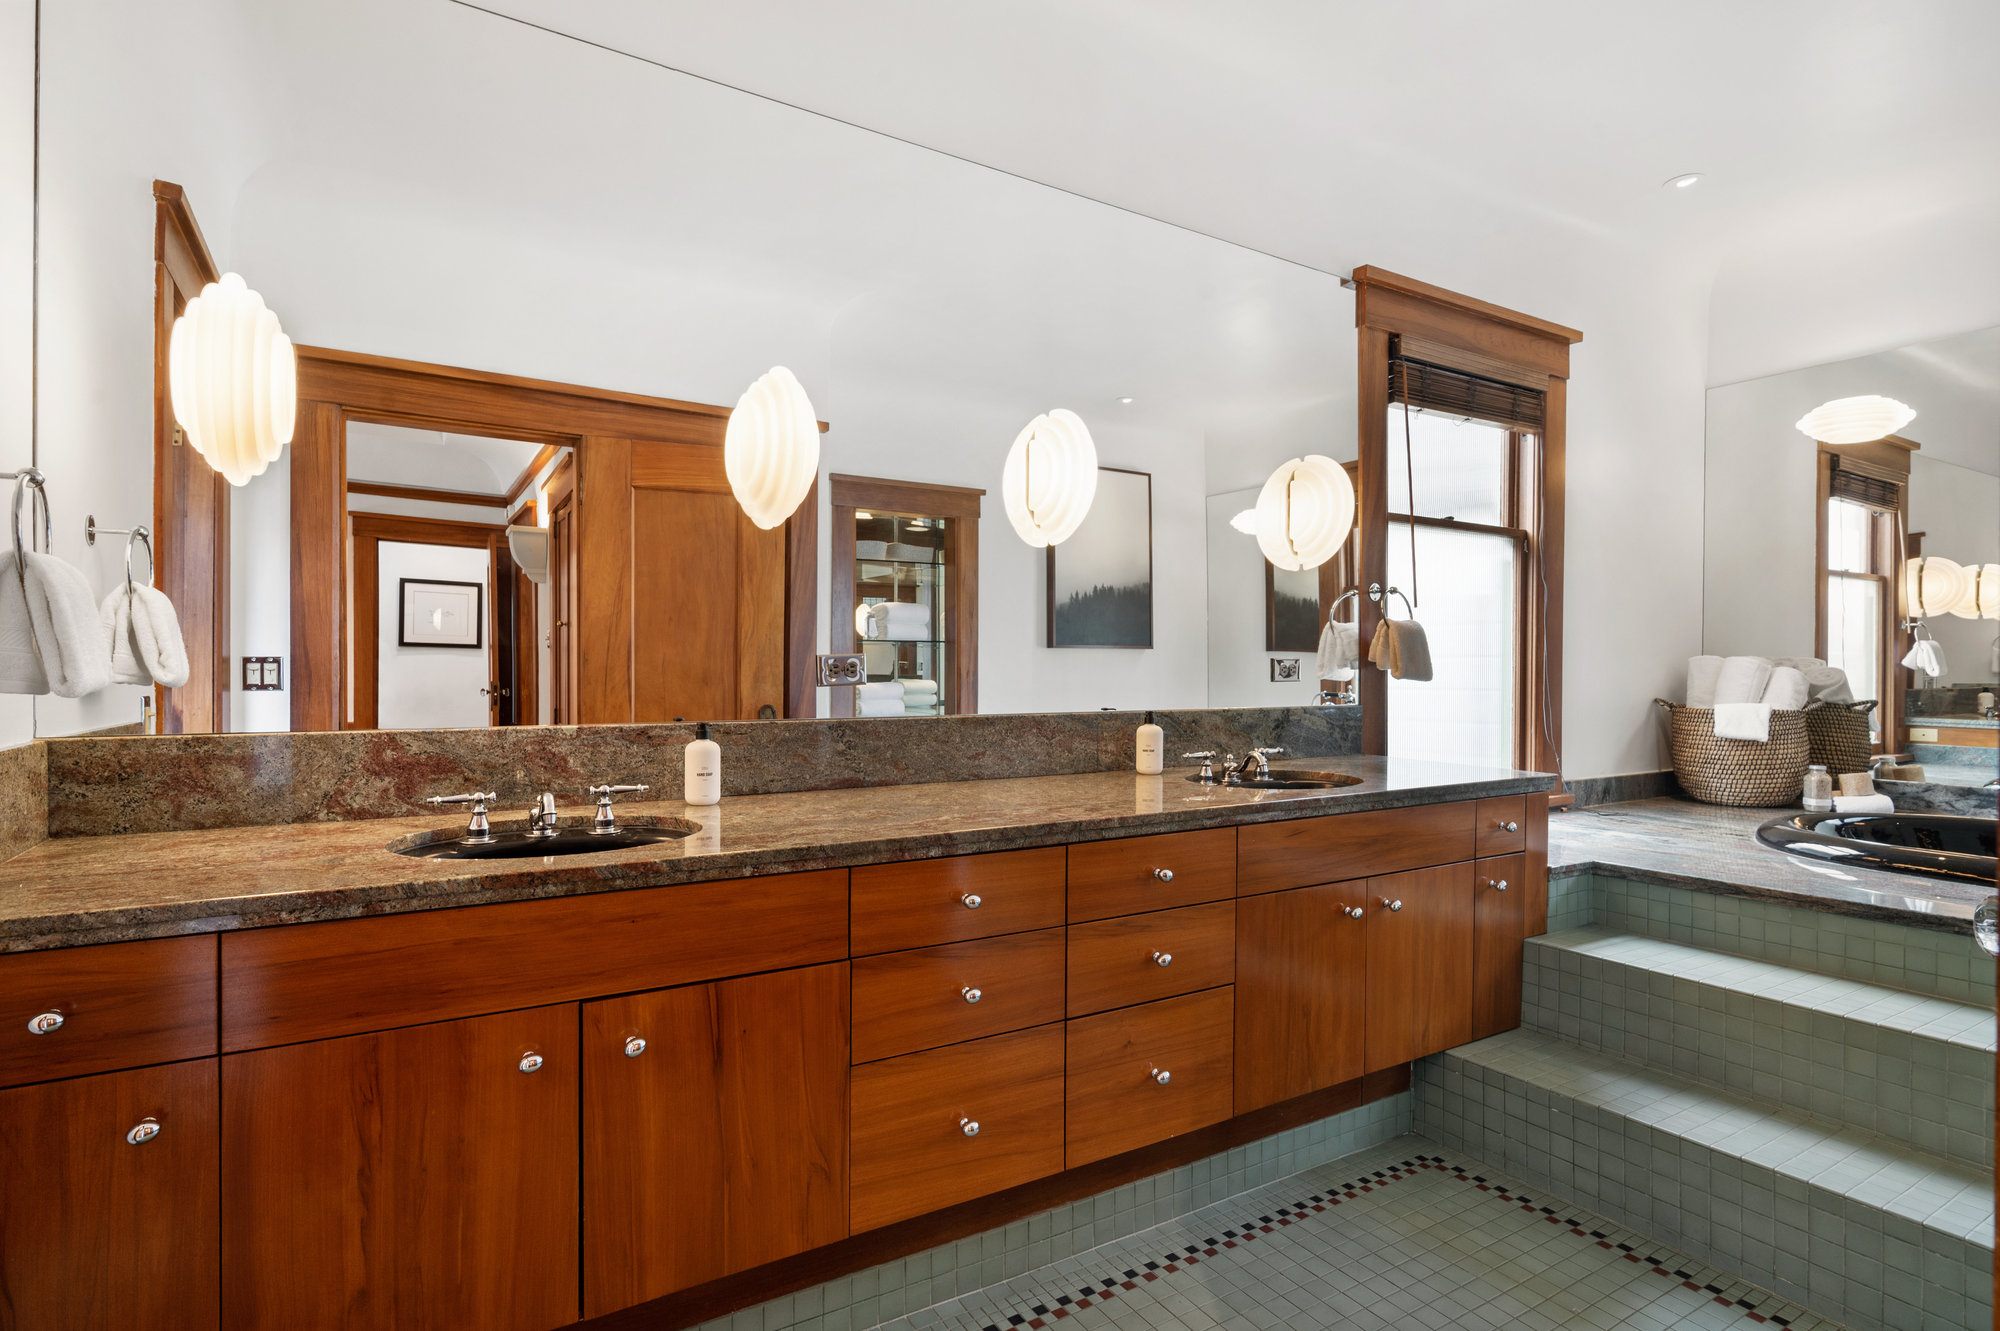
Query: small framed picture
column 1291, row 609
column 1284, row 669
column 439, row 614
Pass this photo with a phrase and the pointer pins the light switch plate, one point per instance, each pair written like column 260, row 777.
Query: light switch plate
column 263, row 674
column 848, row 668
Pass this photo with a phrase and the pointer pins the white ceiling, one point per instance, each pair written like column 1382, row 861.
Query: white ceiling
column 1852, row 150
column 434, row 460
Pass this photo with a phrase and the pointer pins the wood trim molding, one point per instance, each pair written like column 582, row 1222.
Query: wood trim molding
column 912, row 497
column 177, row 239
column 428, row 496
column 1370, row 278
column 532, row 470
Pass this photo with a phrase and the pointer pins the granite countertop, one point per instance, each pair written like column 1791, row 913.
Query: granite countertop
column 1712, row 848
column 99, row 889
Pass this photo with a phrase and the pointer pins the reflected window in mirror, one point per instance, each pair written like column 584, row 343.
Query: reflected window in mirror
column 1862, row 517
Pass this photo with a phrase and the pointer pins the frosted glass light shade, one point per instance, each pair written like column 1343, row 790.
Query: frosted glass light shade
column 1245, row 522
column 770, row 448
column 232, row 379
column 1982, row 593
column 1304, row 512
column 1050, row 478
column 1855, row 420
column 1934, row 586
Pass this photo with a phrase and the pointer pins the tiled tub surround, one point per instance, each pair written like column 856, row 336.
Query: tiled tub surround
column 1797, row 1096
column 186, row 782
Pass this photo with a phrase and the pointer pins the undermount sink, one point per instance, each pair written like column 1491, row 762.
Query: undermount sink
column 1934, row 845
column 516, row 844
column 1287, row 781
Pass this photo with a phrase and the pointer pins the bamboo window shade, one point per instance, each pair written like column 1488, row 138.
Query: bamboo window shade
column 1863, row 487
column 1456, row 393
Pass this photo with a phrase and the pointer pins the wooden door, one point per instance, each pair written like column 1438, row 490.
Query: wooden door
column 718, row 1144
column 1301, row 969
column 1500, row 896
column 562, row 581
column 1420, row 955
column 415, row 1177
column 98, row 1231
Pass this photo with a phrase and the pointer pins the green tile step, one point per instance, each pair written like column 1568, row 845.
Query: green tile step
column 1913, row 1067
column 1855, row 1225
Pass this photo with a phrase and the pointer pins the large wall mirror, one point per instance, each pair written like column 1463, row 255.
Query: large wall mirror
column 1809, row 544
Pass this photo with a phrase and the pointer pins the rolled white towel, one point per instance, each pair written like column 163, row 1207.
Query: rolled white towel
column 1787, row 691
column 1877, row 803
column 1703, row 671
column 1743, row 679
column 890, row 690
column 878, row 707
column 1743, row 720
column 1827, row 683
column 918, row 688
column 1798, row 663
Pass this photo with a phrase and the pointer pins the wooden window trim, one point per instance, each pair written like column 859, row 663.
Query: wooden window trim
column 1481, row 338
column 1894, row 639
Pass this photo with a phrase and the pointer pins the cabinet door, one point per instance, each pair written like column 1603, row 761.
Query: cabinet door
column 422, row 1177
column 1419, row 964
column 1500, row 895
column 722, row 1143
column 1301, row 972
column 99, row 1231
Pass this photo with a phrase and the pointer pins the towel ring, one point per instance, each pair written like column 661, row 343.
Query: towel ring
column 1380, row 595
column 1351, row 594
column 24, row 479
column 91, row 531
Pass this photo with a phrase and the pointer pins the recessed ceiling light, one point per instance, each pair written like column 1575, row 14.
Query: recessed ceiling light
column 1682, row 181
column 1125, row 401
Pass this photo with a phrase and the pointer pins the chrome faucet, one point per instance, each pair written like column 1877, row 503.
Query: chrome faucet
column 1207, row 757
column 542, row 816
column 1256, row 767
column 606, row 822
column 479, row 829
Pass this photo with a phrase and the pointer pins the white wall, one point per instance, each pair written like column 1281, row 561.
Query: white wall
column 260, row 595
column 1958, row 510
column 17, row 271
column 418, row 687
column 1239, row 669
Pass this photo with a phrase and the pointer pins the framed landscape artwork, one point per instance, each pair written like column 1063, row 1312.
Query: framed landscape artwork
column 1291, row 609
column 438, row 614
column 1101, row 578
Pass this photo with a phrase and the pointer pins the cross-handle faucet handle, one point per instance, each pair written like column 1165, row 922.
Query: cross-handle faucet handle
column 606, row 821
column 1207, row 764
column 479, row 829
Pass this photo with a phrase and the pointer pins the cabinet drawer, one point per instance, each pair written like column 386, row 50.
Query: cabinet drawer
column 1151, row 873
column 1116, row 1098
column 926, row 902
column 1138, row 958
column 120, row 1005
column 905, row 1001
column 311, row 981
column 1308, row 851
column 912, row 1116
column 1503, row 825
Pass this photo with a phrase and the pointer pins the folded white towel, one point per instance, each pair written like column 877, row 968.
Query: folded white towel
column 1863, row 804
column 878, row 707
column 919, row 688
column 1827, row 683
column 1926, row 658
column 1703, row 671
column 885, row 691
column 145, row 637
column 1743, row 679
column 1787, row 690
column 1743, row 720
column 871, row 549
column 68, row 638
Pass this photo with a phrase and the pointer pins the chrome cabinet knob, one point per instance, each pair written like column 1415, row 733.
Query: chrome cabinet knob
column 531, row 1062
column 45, row 1023
column 1161, row 1075
column 1392, row 905
column 968, row 1126
column 1164, row 875
column 1507, row 827
column 144, row 1131
column 1163, row 958
column 1352, row 912
column 634, row 1046
column 1497, row 884
column 970, row 994
column 971, row 900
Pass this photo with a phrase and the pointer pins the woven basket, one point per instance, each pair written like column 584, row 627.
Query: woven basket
column 1737, row 771
column 1837, row 735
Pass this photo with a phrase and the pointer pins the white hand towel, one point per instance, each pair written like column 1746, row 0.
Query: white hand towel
column 878, row 707
column 20, row 664
column 68, row 635
column 919, row 688
column 1863, row 804
column 1339, row 651
column 1827, row 683
column 1743, row 679
column 145, row 637
column 1787, row 691
column 1743, row 720
column 884, row 691
column 1703, row 671
column 1926, row 658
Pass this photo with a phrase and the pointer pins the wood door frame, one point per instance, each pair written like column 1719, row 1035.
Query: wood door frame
column 1891, row 453
column 959, row 504
column 336, row 387
column 1480, row 338
column 369, row 531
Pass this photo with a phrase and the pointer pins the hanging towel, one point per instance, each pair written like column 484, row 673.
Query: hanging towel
column 1827, row 683
column 20, row 664
column 1787, row 690
column 145, row 637
column 1339, row 651
column 68, row 637
column 1863, row 804
column 1703, row 671
column 878, row 707
column 1401, row 648
column 1743, row 720
column 1926, row 658
column 1743, row 679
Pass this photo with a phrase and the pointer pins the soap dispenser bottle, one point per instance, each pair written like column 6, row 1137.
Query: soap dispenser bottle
column 1151, row 740
column 701, row 770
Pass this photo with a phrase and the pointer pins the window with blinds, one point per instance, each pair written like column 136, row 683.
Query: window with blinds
column 1456, row 393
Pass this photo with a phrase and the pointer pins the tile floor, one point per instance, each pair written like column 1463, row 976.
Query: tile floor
column 1403, row 1235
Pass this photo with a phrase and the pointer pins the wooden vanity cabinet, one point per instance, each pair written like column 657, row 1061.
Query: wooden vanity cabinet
column 1301, row 986
column 425, row 1176
column 102, row 1228
column 1420, row 953
column 1501, row 895
column 715, row 1131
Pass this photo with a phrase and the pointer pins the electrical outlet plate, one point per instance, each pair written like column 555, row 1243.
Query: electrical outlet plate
column 1284, row 669
column 847, row 668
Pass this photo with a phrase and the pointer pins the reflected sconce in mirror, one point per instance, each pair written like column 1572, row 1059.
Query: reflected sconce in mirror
column 1855, row 420
column 530, row 548
column 1245, row 522
column 770, row 448
column 1982, row 593
column 1050, row 478
column 1934, row 586
column 233, row 379
column 1304, row 512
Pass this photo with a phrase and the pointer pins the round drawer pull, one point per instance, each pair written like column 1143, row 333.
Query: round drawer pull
column 1164, row 875
column 145, row 1131
column 971, row 995
column 635, row 1046
column 1352, row 912
column 1162, row 1076
column 1392, row 905
column 968, row 1126
column 1163, row 958
column 1499, row 884
column 531, row 1062
column 45, row 1023
column 1507, row 827
column 971, row 900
